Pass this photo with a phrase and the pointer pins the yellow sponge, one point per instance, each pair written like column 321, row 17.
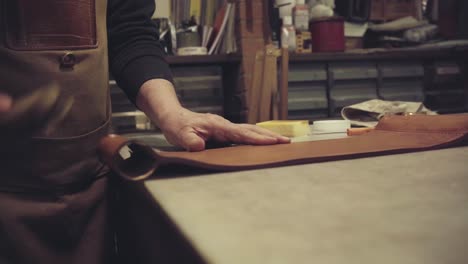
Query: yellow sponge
column 287, row 128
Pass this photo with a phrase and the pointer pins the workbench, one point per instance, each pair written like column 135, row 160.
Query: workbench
column 405, row 208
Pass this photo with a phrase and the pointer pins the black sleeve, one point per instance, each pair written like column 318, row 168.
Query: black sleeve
column 135, row 54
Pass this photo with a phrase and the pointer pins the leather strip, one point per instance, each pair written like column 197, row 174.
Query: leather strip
column 393, row 134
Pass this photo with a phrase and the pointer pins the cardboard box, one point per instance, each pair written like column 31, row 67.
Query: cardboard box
column 303, row 42
column 383, row 10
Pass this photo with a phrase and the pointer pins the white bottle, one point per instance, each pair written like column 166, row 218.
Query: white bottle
column 288, row 34
column 301, row 16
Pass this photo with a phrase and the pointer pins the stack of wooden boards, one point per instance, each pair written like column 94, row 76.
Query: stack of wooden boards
column 265, row 100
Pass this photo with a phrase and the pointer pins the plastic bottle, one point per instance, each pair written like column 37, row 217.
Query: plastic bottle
column 301, row 15
column 288, row 34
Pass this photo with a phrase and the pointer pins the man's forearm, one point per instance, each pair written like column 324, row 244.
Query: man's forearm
column 135, row 52
column 158, row 99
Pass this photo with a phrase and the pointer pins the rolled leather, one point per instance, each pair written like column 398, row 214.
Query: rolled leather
column 394, row 134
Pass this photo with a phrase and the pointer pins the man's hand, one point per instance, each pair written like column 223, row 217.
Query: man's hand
column 39, row 111
column 191, row 130
column 6, row 102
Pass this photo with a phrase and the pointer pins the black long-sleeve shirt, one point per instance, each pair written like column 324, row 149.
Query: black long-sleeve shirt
column 135, row 54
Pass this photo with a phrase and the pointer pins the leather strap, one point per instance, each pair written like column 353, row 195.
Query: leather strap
column 394, row 134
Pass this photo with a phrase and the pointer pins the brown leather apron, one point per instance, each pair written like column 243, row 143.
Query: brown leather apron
column 53, row 206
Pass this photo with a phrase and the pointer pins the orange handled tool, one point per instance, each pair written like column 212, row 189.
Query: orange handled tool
column 359, row 131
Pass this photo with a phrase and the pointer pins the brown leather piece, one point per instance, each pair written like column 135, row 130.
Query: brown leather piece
column 393, row 134
column 50, row 24
column 142, row 164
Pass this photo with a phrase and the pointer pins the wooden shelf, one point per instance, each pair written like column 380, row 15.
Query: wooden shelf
column 375, row 54
column 204, row 59
column 378, row 54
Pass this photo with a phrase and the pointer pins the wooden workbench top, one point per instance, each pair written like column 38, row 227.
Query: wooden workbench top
column 408, row 208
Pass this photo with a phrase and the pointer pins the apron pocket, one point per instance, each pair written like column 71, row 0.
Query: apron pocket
column 50, row 24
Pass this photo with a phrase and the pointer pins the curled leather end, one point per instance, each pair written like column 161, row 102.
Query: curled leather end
column 130, row 159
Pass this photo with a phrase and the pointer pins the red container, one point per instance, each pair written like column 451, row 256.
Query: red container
column 327, row 34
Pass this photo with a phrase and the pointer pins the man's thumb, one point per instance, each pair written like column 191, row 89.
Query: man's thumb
column 192, row 142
